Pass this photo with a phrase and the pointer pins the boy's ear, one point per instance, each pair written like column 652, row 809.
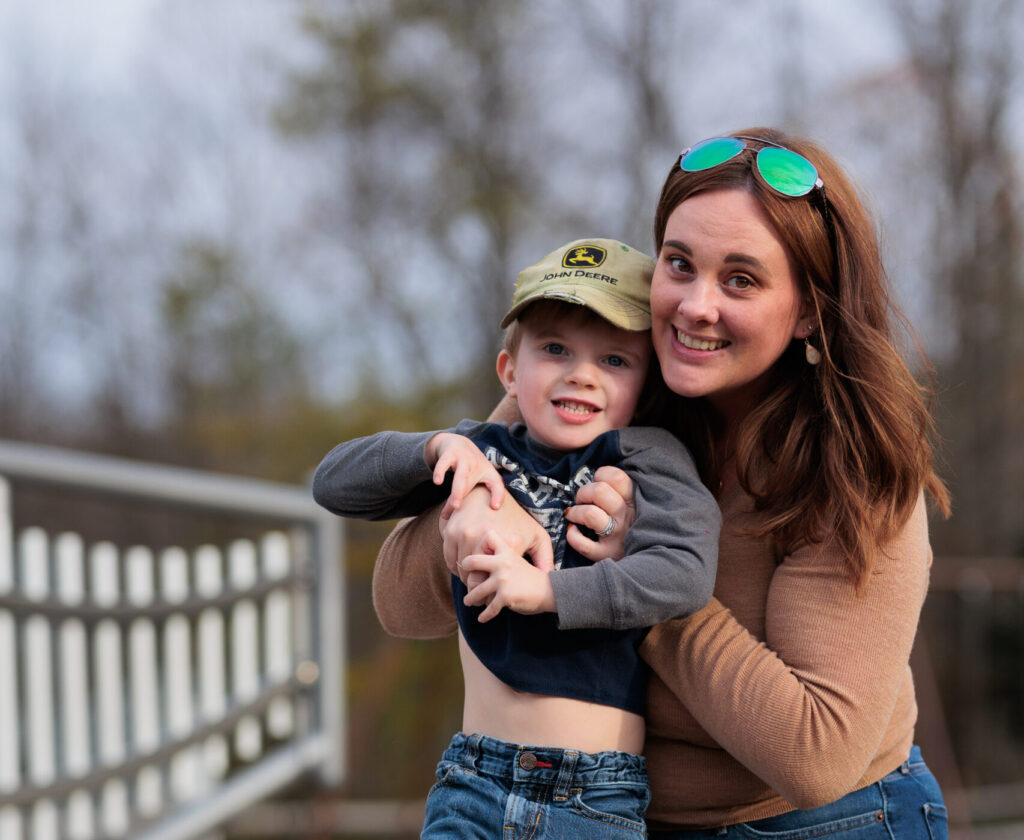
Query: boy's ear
column 506, row 367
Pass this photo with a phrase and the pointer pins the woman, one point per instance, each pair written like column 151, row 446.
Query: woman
column 785, row 708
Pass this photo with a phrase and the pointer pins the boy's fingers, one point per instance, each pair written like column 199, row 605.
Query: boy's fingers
column 440, row 468
column 497, row 488
column 493, row 543
column 481, row 593
column 458, row 491
column 490, row 611
column 542, row 555
column 474, row 579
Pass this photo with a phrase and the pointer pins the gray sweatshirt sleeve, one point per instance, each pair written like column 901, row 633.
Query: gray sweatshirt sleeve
column 671, row 550
column 383, row 476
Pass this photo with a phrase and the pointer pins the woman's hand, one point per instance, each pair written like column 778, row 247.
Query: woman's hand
column 464, row 531
column 609, row 496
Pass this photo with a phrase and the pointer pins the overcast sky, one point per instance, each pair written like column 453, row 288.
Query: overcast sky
column 94, row 50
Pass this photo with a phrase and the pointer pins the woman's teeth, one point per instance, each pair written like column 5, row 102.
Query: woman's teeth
column 699, row 343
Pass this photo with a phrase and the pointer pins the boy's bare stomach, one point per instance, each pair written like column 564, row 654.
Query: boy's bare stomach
column 495, row 709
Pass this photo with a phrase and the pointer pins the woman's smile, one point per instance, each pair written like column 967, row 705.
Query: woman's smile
column 702, row 344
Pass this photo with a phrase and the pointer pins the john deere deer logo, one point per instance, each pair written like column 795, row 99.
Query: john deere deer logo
column 586, row 255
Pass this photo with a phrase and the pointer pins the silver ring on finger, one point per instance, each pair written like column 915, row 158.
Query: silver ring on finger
column 609, row 529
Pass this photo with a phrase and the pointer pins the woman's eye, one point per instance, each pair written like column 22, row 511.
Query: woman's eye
column 739, row 281
column 679, row 264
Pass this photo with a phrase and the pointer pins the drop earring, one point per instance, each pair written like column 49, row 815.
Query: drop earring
column 811, row 352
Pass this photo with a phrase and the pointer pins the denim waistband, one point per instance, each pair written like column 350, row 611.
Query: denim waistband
column 519, row 763
column 868, row 804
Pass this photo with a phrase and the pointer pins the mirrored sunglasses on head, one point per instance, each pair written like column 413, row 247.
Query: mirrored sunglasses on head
column 783, row 170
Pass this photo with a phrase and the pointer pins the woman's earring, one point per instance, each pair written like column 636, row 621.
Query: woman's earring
column 811, row 352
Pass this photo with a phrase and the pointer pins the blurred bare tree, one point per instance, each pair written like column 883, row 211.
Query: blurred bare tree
column 430, row 178
column 965, row 58
column 436, row 186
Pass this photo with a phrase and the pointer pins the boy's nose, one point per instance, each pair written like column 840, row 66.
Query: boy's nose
column 583, row 374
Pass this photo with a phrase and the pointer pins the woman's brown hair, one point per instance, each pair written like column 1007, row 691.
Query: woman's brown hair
column 840, row 450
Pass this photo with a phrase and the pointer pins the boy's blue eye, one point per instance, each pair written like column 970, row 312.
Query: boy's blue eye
column 615, row 361
column 554, row 349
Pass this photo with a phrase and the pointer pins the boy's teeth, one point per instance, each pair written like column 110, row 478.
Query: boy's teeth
column 699, row 343
column 574, row 407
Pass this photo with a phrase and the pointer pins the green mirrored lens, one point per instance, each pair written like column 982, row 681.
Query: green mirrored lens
column 786, row 171
column 710, row 153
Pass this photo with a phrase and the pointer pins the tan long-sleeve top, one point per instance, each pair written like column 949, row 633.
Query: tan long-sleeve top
column 787, row 690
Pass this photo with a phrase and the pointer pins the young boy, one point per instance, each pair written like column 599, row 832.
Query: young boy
column 554, row 689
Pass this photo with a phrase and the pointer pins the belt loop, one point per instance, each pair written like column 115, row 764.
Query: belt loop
column 565, row 773
column 722, row 830
column 473, row 749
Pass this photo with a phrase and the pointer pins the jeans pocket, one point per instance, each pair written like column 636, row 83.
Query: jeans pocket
column 623, row 805
column 868, row 826
column 937, row 821
column 445, row 773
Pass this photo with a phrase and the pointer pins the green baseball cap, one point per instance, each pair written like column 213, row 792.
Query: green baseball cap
column 604, row 275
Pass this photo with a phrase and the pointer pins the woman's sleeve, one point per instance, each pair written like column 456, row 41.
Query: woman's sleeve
column 806, row 708
column 411, row 584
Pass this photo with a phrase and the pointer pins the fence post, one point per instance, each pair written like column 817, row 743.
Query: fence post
column 10, row 771
column 333, row 643
column 155, row 621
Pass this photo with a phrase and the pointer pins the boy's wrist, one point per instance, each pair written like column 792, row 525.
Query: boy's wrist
column 430, row 451
column 548, row 601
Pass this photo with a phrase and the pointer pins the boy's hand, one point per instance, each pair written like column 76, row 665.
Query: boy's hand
column 512, row 581
column 463, row 531
column 446, row 451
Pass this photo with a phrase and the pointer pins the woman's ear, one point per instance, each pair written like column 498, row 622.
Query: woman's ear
column 506, row 367
column 805, row 328
column 807, row 321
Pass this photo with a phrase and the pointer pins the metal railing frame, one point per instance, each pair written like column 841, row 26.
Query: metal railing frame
column 324, row 751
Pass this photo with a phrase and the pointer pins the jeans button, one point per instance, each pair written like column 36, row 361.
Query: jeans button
column 527, row 761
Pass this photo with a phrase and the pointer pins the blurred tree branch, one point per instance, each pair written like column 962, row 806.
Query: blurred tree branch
column 964, row 58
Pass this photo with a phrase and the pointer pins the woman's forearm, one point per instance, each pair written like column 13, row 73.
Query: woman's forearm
column 411, row 585
column 806, row 707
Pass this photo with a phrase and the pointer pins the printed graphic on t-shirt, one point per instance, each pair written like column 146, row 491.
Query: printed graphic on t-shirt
column 545, row 498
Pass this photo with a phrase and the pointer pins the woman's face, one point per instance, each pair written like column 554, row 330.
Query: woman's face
column 724, row 300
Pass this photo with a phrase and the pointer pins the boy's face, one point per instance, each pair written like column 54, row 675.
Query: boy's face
column 574, row 381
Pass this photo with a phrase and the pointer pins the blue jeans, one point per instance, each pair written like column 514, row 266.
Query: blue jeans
column 491, row 790
column 905, row 805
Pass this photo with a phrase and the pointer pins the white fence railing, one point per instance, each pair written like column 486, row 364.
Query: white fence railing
column 154, row 693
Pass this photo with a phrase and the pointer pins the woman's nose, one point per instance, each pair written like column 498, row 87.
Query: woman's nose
column 699, row 302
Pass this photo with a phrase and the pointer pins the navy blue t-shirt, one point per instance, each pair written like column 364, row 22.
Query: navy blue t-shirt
column 529, row 652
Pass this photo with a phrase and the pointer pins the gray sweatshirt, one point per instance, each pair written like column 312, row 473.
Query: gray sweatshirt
column 671, row 548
